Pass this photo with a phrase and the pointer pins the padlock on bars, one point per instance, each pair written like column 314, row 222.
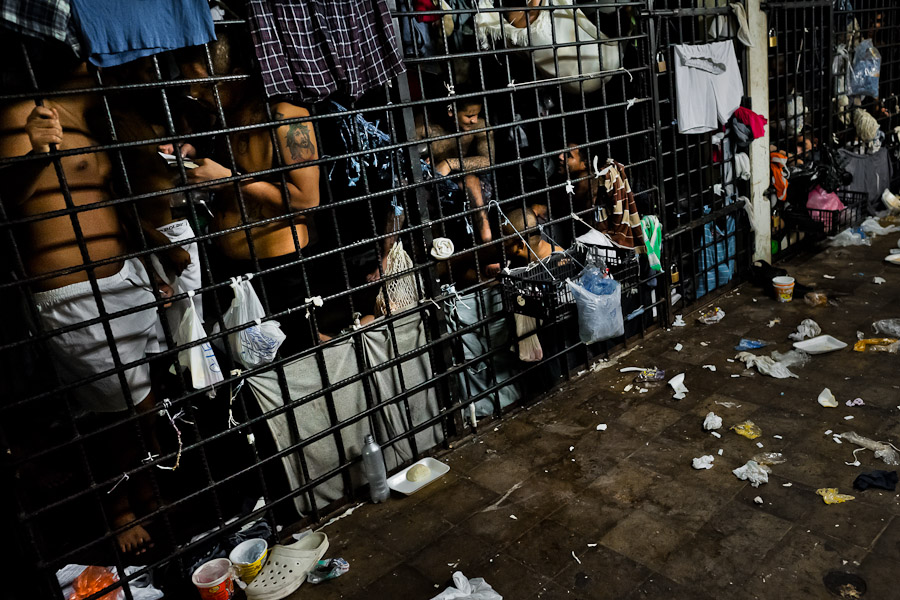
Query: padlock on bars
column 661, row 62
column 773, row 38
column 674, row 275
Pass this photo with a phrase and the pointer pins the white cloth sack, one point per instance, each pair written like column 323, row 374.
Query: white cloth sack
column 200, row 359
column 599, row 317
column 468, row 589
column 255, row 345
column 565, row 26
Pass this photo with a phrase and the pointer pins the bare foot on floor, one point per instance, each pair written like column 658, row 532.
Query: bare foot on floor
column 135, row 539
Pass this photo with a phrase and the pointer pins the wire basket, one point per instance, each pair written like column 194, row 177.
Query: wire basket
column 834, row 221
column 622, row 263
column 539, row 290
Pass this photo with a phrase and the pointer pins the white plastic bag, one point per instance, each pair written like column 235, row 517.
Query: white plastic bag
column 468, row 589
column 599, row 316
column 200, row 359
column 255, row 345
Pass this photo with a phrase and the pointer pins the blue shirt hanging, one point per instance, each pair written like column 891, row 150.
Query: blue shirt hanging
column 118, row 32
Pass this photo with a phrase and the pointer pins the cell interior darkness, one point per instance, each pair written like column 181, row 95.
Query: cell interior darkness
column 145, row 393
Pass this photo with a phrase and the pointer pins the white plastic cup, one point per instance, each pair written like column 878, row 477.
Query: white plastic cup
column 784, row 288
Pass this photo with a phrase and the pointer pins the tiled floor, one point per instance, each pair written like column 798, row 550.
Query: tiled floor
column 623, row 515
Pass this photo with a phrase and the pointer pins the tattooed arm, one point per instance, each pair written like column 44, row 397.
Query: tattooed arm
column 297, row 144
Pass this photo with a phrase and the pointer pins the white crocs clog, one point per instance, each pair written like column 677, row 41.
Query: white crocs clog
column 287, row 567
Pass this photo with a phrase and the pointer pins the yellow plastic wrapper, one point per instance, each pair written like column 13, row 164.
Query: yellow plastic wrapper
column 831, row 496
column 877, row 345
column 748, row 429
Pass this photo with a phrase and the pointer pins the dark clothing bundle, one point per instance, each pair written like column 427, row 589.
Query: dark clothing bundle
column 886, row 480
column 309, row 49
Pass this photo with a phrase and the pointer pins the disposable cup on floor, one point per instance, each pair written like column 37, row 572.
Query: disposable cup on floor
column 215, row 580
column 248, row 558
column 784, row 288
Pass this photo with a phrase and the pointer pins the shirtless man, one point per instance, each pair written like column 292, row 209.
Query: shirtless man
column 474, row 150
column 64, row 299
column 139, row 116
column 518, row 252
column 273, row 243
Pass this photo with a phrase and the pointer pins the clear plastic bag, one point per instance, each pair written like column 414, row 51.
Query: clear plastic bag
column 599, row 316
column 200, row 359
column 865, row 71
column 882, row 450
column 255, row 345
column 888, row 327
column 92, row 580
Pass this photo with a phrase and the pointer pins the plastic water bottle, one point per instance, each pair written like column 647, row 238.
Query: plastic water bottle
column 373, row 466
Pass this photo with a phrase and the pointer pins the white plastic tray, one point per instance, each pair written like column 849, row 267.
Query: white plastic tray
column 820, row 345
column 399, row 483
column 893, row 258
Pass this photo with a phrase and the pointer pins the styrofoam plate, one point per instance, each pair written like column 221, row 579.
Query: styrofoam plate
column 399, row 483
column 893, row 258
column 820, row 345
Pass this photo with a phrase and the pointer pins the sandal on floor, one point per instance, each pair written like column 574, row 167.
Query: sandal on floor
column 287, row 567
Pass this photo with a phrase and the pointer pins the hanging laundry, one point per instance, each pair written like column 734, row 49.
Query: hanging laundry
column 652, row 229
column 118, row 32
column 871, row 174
column 555, row 37
column 780, row 173
column 756, row 122
column 42, row 19
column 709, row 86
column 618, row 215
column 309, row 49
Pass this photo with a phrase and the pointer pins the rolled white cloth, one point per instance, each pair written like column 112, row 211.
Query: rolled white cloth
column 442, row 248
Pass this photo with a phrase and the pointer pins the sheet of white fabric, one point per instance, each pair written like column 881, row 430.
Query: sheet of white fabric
column 473, row 308
column 565, row 26
column 708, row 85
column 312, row 416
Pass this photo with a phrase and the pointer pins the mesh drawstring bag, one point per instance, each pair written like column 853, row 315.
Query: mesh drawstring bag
column 401, row 292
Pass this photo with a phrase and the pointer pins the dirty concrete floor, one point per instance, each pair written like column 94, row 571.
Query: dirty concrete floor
column 642, row 523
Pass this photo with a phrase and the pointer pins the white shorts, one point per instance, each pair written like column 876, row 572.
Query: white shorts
column 189, row 280
column 709, row 86
column 84, row 352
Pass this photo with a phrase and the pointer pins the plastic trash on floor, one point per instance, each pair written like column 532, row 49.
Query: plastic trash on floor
column 815, row 299
column 769, row 458
column 831, row 496
column 748, row 429
column 888, row 327
column 827, row 399
column 468, row 589
column 327, row 569
column 806, row 329
column 703, row 462
column 877, row 345
column 850, row 237
column 650, row 376
column 712, row 421
column 791, row 358
column 871, row 226
column 677, row 384
column 765, row 365
column 753, row 472
column 712, row 316
column 748, row 344
column 882, row 450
